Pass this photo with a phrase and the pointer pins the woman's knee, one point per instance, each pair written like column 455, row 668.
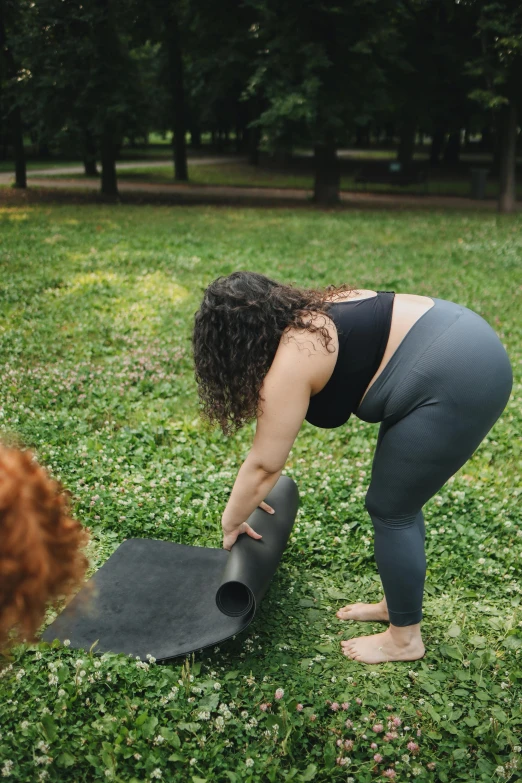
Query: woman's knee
column 382, row 510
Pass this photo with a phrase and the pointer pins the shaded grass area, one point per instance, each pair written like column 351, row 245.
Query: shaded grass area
column 245, row 175
column 95, row 316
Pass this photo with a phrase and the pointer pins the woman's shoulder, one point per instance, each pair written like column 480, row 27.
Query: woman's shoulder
column 305, row 354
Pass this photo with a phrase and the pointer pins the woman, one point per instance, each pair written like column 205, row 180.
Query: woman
column 432, row 372
column 41, row 556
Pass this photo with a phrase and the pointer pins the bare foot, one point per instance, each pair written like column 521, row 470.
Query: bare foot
column 363, row 612
column 395, row 644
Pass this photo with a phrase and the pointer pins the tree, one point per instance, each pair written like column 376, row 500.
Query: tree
column 317, row 71
column 499, row 67
column 12, row 81
column 425, row 68
column 85, row 85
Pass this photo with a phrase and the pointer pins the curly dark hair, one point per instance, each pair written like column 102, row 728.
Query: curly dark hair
column 237, row 330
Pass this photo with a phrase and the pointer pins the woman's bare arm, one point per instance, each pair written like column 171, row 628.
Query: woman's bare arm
column 285, row 396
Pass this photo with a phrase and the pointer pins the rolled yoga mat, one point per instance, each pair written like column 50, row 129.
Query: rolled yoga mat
column 166, row 600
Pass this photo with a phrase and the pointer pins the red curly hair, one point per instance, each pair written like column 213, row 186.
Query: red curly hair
column 41, row 556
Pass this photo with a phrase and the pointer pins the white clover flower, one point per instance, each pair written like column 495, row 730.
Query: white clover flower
column 204, row 715
column 217, row 686
column 7, row 767
column 137, row 756
column 500, row 771
column 192, row 762
column 156, row 773
column 38, row 656
column 220, row 723
column 249, row 763
column 66, row 642
column 158, row 740
column 53, row 679
column 24, row 725
column 150, row 658
column 97, row 664
column 517, row 749
column 417, row 771
column 244, row 714
column 20, row 673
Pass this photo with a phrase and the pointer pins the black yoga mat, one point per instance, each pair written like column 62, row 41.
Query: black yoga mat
column 166, row 600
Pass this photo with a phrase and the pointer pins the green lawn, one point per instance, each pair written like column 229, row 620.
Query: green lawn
column 242, row 174
column 95, row 308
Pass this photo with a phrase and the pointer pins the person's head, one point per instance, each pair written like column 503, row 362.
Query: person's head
column 41, row 556
column 236, row 334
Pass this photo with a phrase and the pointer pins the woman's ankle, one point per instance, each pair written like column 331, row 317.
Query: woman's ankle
column 406, row 635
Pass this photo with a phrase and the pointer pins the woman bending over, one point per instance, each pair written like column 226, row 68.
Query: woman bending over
column 433, row 373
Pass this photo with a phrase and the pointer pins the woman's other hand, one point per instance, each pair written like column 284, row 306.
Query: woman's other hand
column 230, row 536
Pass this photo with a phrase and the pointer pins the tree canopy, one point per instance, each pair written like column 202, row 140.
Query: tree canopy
column 314, row 73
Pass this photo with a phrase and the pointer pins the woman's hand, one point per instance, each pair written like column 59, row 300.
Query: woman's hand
column 230, row 536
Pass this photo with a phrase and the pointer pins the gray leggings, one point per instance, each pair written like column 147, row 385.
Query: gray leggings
column 437, row 398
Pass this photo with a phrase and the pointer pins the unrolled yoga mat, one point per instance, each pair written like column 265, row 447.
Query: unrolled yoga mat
column 166, row 600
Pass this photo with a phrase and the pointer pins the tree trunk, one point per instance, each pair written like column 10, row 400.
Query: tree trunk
column 15, row 115
column 506, row 199
column 177, row 89
column 437, row 143
column 109, row 183
column 452, row 151
column 254, row 137
column 89, row 155
column 327, row 174
column 406, row 142
column 19, row 152
column 195, row 137
column 486, row 139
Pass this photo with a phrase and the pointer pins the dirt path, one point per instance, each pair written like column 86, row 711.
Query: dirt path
column 225, row 194
column 7, row 177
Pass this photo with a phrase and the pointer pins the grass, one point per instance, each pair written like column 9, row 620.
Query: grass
column 243, row 175
column 95, row 314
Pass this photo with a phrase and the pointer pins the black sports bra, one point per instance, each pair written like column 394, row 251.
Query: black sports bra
column 363, row 328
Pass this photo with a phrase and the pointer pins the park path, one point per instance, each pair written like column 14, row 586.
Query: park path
column 7, row 177
column 226, row 194
column 223, row 194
